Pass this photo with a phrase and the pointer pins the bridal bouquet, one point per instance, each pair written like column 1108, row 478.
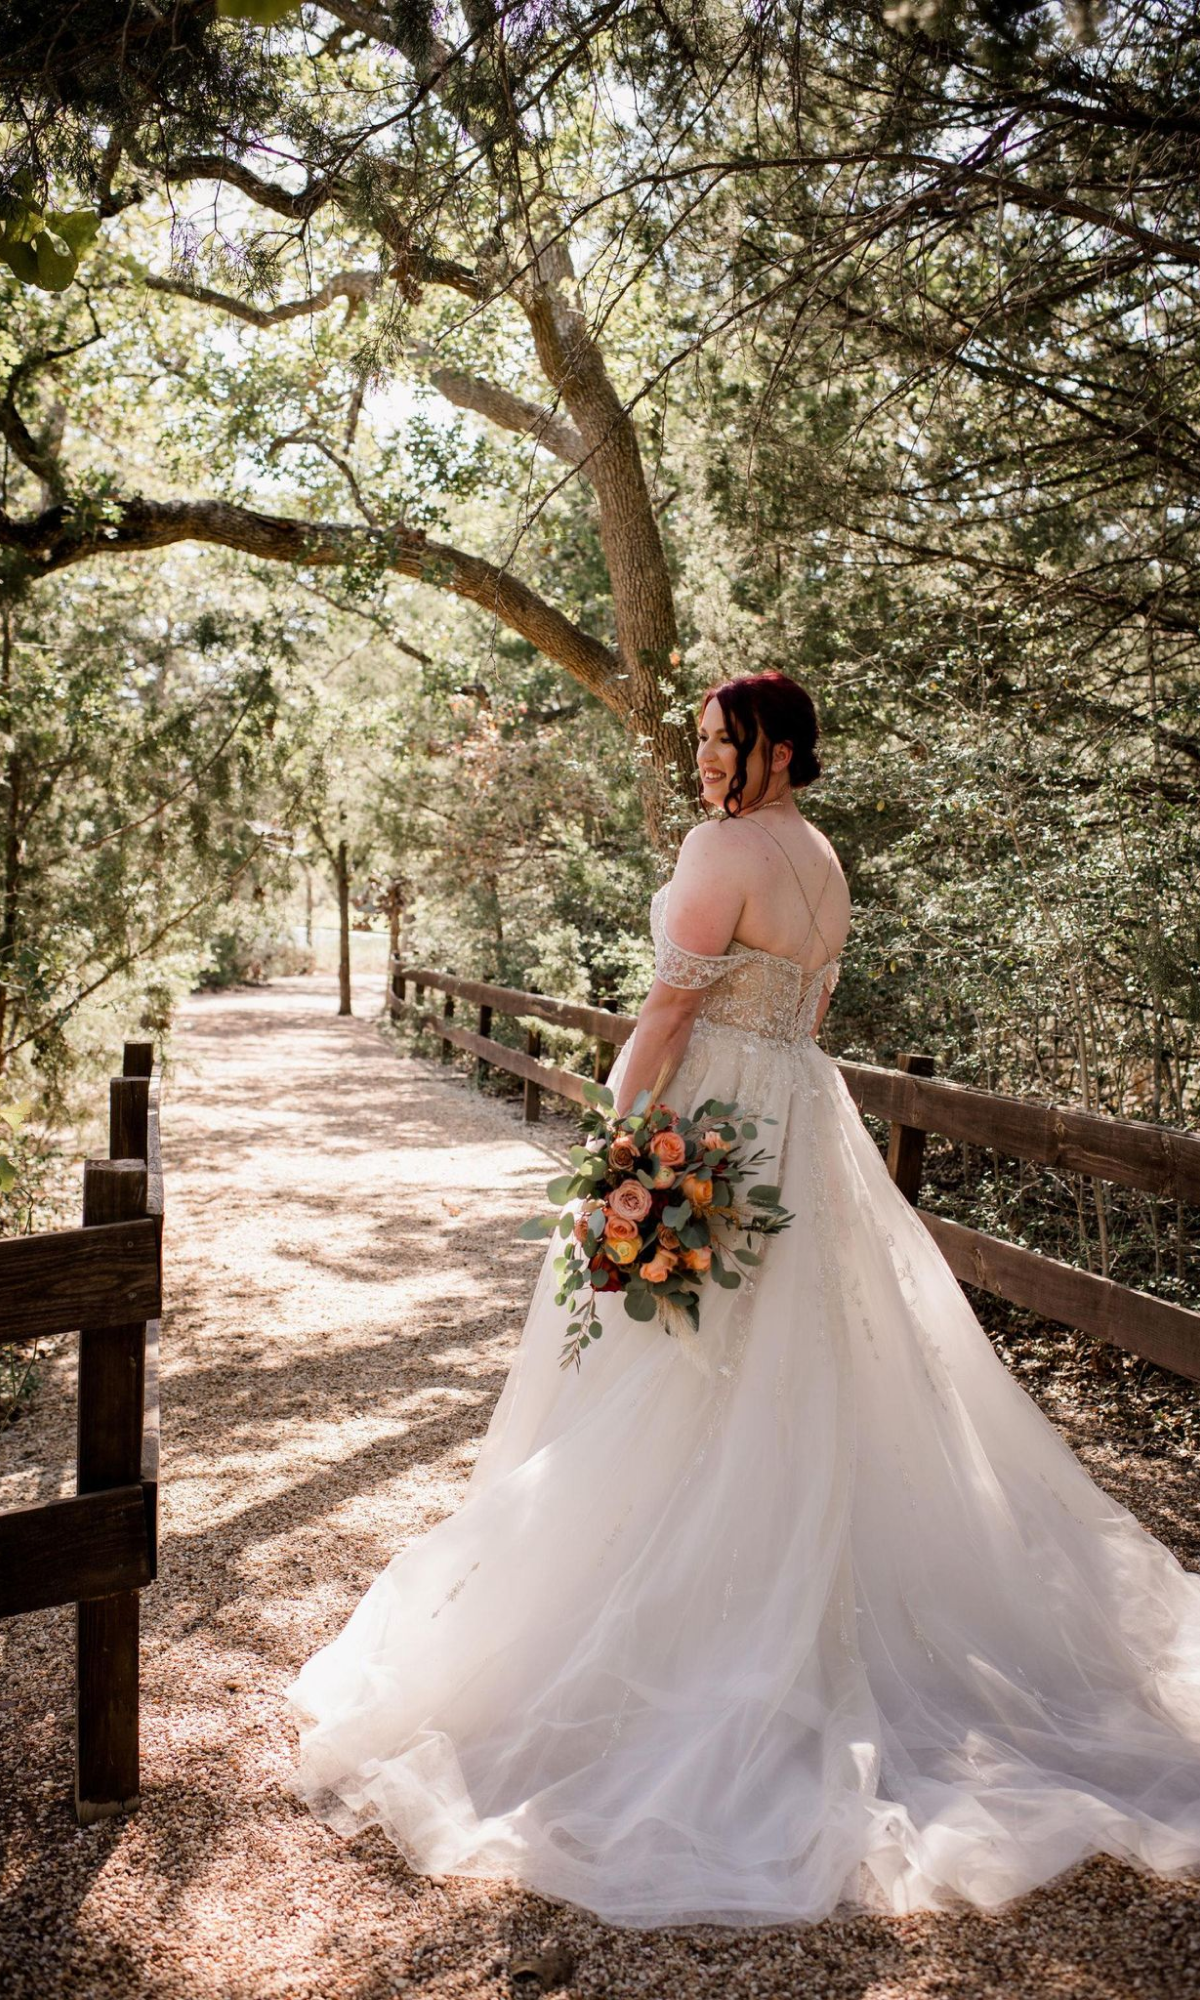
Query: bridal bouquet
column 655, row 1211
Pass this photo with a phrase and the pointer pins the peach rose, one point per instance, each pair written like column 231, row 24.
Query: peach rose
column 697, row 1190
column 581, row 1232
column 669, row 1148
column 619, row 1229
column 622, row 1153
column 657, row 1270
column 712, row 1142
column 698, row 1260
column 621, row 1251
column 664, row 1178
column 631, row 1200
column 667, row 1237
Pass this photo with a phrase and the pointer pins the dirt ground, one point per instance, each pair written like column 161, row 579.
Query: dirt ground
column 345, row 1290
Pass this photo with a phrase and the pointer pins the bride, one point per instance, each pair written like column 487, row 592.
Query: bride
column 815, row 1611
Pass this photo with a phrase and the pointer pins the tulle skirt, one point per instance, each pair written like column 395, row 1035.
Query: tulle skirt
column 825, row 1616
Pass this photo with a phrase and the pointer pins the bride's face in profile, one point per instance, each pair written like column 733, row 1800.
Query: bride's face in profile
column 716, row 760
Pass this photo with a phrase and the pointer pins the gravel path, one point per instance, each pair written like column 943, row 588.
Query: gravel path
column 339, row 1330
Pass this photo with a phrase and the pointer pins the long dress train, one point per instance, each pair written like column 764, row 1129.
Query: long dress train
column 819, row 1611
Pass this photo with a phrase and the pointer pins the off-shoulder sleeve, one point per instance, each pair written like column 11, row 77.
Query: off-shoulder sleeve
column 675, row 966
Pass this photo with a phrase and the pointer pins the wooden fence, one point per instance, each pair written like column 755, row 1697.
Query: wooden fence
column 1152, row 1158
column 100, row 1548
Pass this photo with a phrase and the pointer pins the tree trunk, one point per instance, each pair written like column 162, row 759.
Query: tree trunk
column 395, row 904
column 10, row 888
column 342, row 872
column 638, row 572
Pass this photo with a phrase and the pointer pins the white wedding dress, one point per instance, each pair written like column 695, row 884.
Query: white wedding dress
column 818, row 1611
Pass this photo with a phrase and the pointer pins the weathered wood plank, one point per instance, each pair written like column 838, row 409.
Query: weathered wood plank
column 616, row 1028
column 1160, row 1332
column 108, row 1453
column 515, row 1061
column 138, row 1059
column 106, row 1706
column 49, row 1283
column 128, row 1118
column 150, row 1440
column 906, row 1143
column 1150, row 1157
column 70, row 1551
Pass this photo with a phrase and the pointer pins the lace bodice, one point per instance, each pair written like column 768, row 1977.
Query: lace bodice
column 756, row 991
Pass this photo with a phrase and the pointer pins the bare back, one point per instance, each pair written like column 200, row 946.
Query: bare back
column 796, row 901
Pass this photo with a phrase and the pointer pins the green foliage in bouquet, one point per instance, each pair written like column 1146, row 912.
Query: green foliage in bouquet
column 652, row 1210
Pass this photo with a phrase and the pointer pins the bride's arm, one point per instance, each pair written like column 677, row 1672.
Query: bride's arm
column 702, row 911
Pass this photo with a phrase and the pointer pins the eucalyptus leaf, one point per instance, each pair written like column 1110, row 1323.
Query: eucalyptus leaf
column 537, row 1225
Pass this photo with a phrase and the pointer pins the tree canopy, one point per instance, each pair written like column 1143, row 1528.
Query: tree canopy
column 520, row 370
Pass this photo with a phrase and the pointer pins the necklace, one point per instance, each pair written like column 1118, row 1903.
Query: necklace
column 763, row 807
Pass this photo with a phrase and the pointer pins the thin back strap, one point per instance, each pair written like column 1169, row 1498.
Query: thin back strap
column 813, row 925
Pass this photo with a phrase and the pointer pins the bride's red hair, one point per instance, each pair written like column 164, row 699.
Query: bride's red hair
column 782, row 709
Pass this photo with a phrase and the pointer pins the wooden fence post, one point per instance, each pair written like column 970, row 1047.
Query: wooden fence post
column 129, row 1118
column 138, row 1059
column 533, row 1091
column 111, row 1394
column 485, row 1028
column 906, row 1143
column 447, row 1015
column 397, row 988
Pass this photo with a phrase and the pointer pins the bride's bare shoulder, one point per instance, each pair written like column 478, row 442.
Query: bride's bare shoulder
column 715, row 846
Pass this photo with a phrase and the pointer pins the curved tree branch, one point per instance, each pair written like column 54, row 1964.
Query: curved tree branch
column 57, row 538
column 352, row 285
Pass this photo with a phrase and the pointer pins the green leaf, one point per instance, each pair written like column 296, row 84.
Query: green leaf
column 78, row 227
column 537, row 1225
column 14, row 1115
column 598, row 1093
column 747, row 1256
column 677, row 1214
column 640, row 1102
column 561, row 1188
column 8, row 1174
column 765, row 1196
column 596, row 1224
column 728, row 1280
column 566, row 1223
column 640, row 1304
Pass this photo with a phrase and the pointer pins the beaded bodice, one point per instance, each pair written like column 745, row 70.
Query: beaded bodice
column 744, row 988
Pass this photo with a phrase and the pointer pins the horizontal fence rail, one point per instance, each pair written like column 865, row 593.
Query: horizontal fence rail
column 1151, row 1158
column 99, row 1548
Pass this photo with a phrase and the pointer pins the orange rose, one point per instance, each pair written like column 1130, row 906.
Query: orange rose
column 581, row 1232
column 667, row 1237
column 630, row 1200
column 619, row 1229
column 664, row 1178
column 622, row 1153
column 669, row 1148
column 698, row 1260
column 712, row 1142
column 697, row 1190
column 657, row 1270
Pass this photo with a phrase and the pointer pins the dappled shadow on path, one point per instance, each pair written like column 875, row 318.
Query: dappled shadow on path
column 346, row 1290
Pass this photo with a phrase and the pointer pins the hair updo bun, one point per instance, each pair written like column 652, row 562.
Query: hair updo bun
column 782, row 709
